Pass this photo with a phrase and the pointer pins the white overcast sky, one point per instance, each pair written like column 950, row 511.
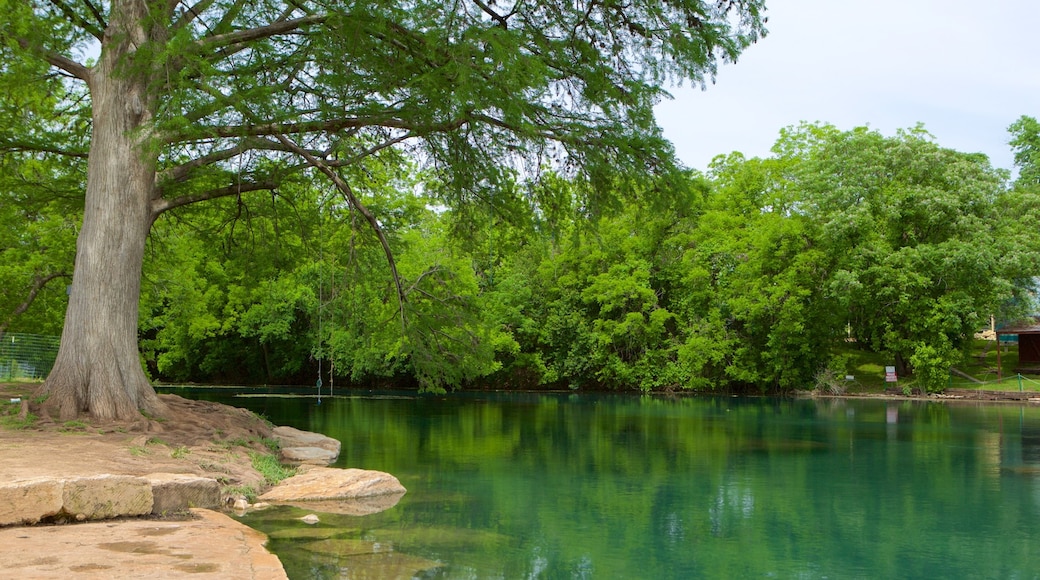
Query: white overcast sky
column 966, row 69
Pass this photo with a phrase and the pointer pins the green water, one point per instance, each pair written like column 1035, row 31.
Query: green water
column 576, row 486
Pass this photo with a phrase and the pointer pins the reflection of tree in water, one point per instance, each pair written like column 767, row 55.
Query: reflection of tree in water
column 733, row 501
column 1030, row 444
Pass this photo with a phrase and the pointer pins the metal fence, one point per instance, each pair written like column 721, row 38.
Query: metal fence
column 26, row 356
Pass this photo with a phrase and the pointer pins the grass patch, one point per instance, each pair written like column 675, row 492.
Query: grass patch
column 180, row 452
column 13, row 421
column 248, row 491
column 270, row 443
column 151, row 417
column 11, row 411
column 74, row 426
column 263, row 418
column 270, row 468
column 138, row 451
column 980, row 363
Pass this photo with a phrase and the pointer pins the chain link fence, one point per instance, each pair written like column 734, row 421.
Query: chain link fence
column 26, row 356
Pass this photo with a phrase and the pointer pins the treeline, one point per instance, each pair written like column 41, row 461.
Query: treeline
column 754, row 275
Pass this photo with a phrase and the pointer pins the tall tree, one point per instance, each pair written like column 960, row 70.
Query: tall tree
column 923, row 242
column 1025, row 142
column 195, row 101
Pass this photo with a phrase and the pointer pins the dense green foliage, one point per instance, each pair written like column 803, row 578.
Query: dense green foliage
column 140, row 109
column 754, row 275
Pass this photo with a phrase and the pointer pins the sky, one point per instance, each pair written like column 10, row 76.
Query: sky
column 965, row 69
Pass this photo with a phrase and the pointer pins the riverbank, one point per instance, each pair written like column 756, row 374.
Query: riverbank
column 197, row 440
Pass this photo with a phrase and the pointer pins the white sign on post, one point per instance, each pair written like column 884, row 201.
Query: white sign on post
column 890, row 374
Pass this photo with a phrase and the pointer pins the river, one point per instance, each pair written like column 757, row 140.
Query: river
column 623, row 486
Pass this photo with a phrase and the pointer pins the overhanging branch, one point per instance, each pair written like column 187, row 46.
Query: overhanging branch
column 275, row 129
column 56, row 60
column 77, row 20
column 39, row 282
column 182, row 172
column 245, row 36
column 26, row 147
column 160, row 205
column 352, row 199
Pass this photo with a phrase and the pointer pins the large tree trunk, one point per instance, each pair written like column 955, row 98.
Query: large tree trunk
column 98, row 368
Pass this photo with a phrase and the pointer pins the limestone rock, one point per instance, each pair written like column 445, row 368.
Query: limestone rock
column 347, row 491
column 361, row 506
column 310, row 519
column 212, row 545
column 307, row 456
column 174, row 492
column 27, row 501
column 107, row 496
column 291, row 437
column 305, row 448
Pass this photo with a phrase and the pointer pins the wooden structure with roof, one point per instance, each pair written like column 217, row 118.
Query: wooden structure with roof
column 1028, row 332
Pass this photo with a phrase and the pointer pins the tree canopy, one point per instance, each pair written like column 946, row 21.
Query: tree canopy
column 159, row 104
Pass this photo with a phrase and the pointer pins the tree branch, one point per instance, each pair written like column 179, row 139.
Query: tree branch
column 274, row 129
column 180, row 173
column 352, row 199
column 245, row 36
column 332, row 125
column 38, row 284
column 97, row 14
column 21, row 146
column 502, row 20
column 76, row 19
column 190, row 12
column 160, row 205
column 56, row 60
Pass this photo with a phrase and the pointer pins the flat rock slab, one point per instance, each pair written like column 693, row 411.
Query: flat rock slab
column 104, row 496
column 174, row 492
column 28, row 501
column 292, row 437
column 307, row 456
column 305, row 448
column 349, row 491
column 210, row 546
column 107, row 496
column 359, row 506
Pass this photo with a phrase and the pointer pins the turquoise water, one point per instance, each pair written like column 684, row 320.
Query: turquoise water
column 599, row 486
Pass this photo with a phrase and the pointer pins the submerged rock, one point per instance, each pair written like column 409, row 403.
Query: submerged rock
column 341, row 491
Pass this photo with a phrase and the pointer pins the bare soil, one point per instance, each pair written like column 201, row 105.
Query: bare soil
column 195, row 437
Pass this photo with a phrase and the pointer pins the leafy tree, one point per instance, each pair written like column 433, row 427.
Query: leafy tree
column 765, row 273
column 587, row 299
column 911, row 245
column 923, row 247
column 190, row 102
column 1025, row 142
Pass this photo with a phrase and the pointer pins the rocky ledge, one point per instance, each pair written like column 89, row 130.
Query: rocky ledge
column 103, row 496
column 305, row 448
column 98, row 497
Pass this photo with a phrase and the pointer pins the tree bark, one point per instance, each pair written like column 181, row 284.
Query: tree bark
column 98, row 368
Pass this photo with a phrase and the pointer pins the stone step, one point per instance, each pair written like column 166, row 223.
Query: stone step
column 104, row 496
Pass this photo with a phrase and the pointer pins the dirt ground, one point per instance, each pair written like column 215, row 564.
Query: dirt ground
column 196, row 437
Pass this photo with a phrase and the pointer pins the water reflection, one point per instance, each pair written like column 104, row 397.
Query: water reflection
column 547, row 486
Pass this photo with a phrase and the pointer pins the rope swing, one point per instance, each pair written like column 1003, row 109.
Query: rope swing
column 321, row 293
